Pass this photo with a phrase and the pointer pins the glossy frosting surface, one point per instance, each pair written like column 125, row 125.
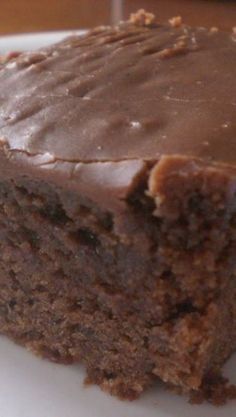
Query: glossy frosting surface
column 124, row 93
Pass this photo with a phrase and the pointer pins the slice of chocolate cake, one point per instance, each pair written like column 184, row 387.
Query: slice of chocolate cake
column 118, row 203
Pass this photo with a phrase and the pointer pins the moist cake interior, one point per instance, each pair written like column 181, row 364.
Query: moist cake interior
column 118, row 204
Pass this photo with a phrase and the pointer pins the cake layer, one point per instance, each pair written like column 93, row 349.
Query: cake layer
column 151, row 302
column 117, row 203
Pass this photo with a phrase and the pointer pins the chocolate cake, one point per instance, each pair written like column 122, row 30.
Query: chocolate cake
column 118, row 203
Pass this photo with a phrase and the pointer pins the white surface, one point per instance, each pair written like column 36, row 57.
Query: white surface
column 31, row 387
column 31, row 41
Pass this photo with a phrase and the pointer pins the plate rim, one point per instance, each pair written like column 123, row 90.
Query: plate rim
column 25, row 41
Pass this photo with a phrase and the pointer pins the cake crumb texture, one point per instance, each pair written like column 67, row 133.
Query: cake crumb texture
column 215, row 389
column 176, row 21
column 118, row 205
column 142, row 18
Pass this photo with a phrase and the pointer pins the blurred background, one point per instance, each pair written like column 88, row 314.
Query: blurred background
column 41, row 15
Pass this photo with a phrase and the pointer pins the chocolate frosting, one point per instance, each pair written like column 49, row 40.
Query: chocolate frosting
column 124, row 94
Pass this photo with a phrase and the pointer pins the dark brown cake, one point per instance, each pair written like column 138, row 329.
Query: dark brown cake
column 118, row 203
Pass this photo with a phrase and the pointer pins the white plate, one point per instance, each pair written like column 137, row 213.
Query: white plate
column 31, row 387
column 26, row 42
